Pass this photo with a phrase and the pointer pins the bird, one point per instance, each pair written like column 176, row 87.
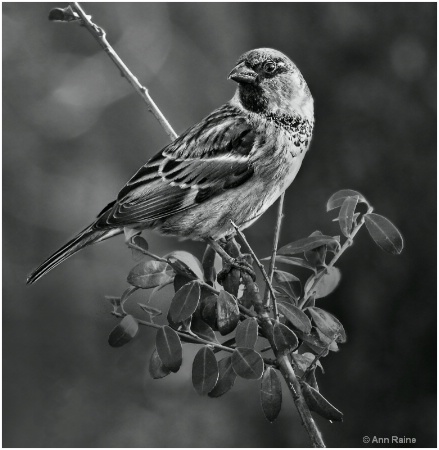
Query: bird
column 229, row 168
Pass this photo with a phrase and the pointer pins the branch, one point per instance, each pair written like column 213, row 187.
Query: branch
column 347, row 243
column 260, row 265
column 280, row 208
column 296, row 391
column 99, row 34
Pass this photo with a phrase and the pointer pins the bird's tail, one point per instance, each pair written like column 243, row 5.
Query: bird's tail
column 86, row 237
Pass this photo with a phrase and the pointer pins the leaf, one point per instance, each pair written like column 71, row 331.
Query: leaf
column 127, row 294
column 339, row 197
column 247, row 333
column 306, row 244
column 327, row 283
column 304, row 360
column 329, row 342
column 149, row 274
column 180, row 280
column 226, row 378
column 295, row 316
column 232, row 281
column 317, row 255
column 384, row 233
column 180, row 326
column 317, row 403
column 247, row 363
column 284, row 338
column 209, row 313
column 328, row 324
column 314, row 342
column 185, row 263
column 346, row 215
column 185, row 302
column 292, row 260
column 204, row 371
column 227, row 313
column 169, row 348
column 289, row 282
column 202, row 330
column 139, row 241
column 208, row 264
column 271, row 394
column 156, row 368
column 64, row 15
column 124, row 332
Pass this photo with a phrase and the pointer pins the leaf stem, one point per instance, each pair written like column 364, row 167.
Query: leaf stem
column 347, row 243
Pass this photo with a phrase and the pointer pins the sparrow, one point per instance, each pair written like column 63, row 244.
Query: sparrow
column 228, row 168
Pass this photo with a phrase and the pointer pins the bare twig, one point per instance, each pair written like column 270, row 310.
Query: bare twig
column 260, row 265
column 99, row 34
column 347, row 243
column 268, row 291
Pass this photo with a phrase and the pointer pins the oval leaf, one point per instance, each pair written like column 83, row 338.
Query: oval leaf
column 226, row 378
column 339, row 197
column 327, row 283
column 284, row 338
column 140, row 242
column 124, row 332
column 328, row 324
column 185, row 302
column 271, row 394
column 180, row 280
column 346, row 215
column 149, row 274
column 227, row 313
column 247, row 363
column 295, row 316
column 186, row 264
column 204, row 371
column 306, row 244
column 384, row 233
column 304, row 360
column 289, row 282
column 208, row 264
column 317, row 255
column 169, row 348
column 202, row 330
column 156, row 368
column 247, row 333
column 317, row 403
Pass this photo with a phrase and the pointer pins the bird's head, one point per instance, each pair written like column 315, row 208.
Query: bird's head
column 269, row 82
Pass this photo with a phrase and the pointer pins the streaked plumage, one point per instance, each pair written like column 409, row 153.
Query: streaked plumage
column 231, row 166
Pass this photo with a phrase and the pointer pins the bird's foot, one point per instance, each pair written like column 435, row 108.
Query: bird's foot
column 239, row 263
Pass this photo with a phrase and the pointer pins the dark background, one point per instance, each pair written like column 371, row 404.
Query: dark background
column 74, row 132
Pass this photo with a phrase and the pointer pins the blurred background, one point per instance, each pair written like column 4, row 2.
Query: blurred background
column 74, row 132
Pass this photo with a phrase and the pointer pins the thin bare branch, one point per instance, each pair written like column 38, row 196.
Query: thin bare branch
column 99, row 34
column 268, row 291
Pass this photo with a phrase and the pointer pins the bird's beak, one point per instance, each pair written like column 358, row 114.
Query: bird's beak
column 243, row 74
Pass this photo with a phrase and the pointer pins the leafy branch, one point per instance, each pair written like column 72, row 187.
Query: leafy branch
column 204, row 308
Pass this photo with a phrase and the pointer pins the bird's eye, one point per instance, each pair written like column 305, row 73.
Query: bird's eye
column 269, row 67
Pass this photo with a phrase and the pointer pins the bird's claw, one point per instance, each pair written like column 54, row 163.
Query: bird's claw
column 236, row 263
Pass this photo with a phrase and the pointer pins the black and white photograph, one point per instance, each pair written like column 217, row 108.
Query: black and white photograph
column 219, row 225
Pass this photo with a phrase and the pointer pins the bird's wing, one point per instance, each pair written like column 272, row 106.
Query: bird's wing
column 207, row 159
